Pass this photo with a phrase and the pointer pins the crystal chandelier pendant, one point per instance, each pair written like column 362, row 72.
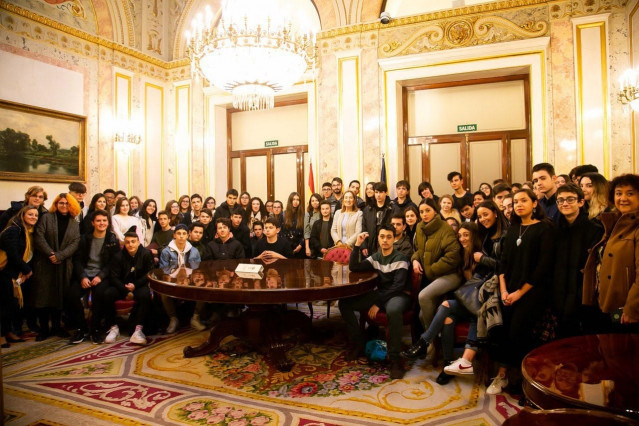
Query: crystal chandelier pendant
column 249, row 97
column 255, row 49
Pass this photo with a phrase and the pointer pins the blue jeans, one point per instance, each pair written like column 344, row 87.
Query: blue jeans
column 456, row 312
column 394, row 307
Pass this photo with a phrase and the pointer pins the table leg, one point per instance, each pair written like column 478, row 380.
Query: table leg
column 263, row 326
column 226, row 327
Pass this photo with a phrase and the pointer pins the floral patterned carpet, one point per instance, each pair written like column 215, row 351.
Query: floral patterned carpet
column 55, row 383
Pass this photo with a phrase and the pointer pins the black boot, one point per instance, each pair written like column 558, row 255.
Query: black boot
column 443, row 377
column 419, row 348
column 77, row 337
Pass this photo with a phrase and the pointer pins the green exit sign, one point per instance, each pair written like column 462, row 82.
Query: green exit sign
column 466, row 128
column 269, row 144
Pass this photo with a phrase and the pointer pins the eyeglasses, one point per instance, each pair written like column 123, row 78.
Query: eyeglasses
column 569, row 200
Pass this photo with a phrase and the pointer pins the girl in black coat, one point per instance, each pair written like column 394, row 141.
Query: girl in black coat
column 17, row 242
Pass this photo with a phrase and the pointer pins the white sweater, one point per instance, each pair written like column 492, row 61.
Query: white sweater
column 121, row 224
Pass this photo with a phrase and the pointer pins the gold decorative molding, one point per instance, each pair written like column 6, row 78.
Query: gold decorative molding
column 433, row 16
column 91, row 38
column 557, row 8
column 570, row 8
column 462, row 33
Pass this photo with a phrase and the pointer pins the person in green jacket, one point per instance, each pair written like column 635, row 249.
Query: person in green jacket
column 437, row 259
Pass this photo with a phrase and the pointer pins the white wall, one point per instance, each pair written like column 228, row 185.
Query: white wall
column 287, row 124
column 32, row 82
column 492, row 106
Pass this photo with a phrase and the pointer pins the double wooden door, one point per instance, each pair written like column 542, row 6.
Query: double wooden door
column 269, row 173
column 479, row 157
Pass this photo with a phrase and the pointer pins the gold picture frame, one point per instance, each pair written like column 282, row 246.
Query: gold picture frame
column 41, row 145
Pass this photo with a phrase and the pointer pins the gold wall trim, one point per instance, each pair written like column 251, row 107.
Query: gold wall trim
column 148, row 85
column 633, row 113
column 462, row 33
column 117, row 105
column 100, row 41
column 450, row 13
column 177, row 137
column 604, row 87
column 117, row 156
column 340, row 61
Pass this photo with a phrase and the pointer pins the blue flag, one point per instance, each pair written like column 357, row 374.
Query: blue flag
column 383, row 176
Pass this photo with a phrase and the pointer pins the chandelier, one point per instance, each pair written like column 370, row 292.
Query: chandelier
column 255, row 49
column 629, row 90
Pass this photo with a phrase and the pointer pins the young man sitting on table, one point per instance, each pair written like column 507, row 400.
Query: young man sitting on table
column 271, row 247
column 391, row 295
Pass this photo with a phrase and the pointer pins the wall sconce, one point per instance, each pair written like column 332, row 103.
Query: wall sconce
column 629, row 91
column 125, row 135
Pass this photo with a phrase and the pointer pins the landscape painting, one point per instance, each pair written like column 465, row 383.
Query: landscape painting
column 41, row 145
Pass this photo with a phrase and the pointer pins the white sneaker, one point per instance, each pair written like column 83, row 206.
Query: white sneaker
column 114, row 333
column 460, row 367
column 173, row 325
column 196, row 324
column 497, row 386
column 138, row 337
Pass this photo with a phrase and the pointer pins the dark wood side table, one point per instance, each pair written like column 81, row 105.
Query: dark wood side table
column 596, row 372
column 284, row 281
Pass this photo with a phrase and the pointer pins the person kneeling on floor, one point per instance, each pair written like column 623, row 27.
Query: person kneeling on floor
column 390, row 295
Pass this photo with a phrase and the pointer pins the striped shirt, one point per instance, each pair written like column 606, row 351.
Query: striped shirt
column 392, row 272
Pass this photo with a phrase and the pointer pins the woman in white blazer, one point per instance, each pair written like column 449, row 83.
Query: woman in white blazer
column 347, row 222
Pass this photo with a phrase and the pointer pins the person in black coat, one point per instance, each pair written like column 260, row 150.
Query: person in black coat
column 91, row 267
column 574, row 237
column 221, row 248
column 224, row 246
column 226, row 208
column 293, row 225
column 129, row 269
column 258, row 234
column 240, row 231
column 321, row 241
column 35, row 196
column 17, row 242
column 376, row 215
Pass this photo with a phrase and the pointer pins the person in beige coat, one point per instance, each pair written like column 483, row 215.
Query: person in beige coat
column 347, row 222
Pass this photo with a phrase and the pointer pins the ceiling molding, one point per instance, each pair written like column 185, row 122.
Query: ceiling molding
column 100, row 41
column 468, row 10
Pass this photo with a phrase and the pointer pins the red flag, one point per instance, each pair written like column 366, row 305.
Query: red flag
column 311, row 181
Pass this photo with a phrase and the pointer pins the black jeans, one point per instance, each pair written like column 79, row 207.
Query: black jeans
column 75, row 310
column 107, row 298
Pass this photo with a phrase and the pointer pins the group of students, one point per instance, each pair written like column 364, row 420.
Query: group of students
column 559, row 252
column 524, row 263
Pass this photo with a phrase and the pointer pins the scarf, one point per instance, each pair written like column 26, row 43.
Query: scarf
column 490, row 311
column 26, row 257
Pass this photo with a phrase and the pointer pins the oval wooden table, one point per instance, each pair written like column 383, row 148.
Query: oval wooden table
column 596, row 372
column 283, row 281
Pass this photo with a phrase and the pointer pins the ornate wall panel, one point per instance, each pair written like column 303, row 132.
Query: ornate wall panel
column 464, row 32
